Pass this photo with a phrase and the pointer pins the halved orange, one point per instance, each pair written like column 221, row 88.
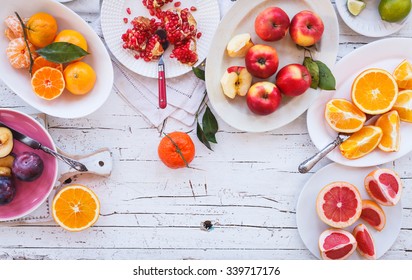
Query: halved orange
column 374, row 91
column 403, row 105
column 48, row 83
column 76, row 208
column 390, row 125
column 41, row 62
column 343, row 116
column 361, row 142
column 403, row 75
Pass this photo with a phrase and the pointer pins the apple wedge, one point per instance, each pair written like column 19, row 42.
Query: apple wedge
column 239, row 45
column 236, row 81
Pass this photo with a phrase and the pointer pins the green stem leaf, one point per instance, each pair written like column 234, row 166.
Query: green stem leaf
column 200, row 73
column 61, row 52
column 326, row 79
column 210, row 125
column 202, row 137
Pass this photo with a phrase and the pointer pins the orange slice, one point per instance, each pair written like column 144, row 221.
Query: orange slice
column 390, row 125
column 48, row 83
column 403, row 105
column 374, row 91
column 361, row 142
column 403, row 75
column 343, row 116
column 41, row 62
column 76, row 208
column 18, row 54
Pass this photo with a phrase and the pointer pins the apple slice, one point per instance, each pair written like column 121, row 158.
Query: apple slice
column 239, row 45
column 236, row 81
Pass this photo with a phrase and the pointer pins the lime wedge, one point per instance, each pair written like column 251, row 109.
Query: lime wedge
column 355, row 6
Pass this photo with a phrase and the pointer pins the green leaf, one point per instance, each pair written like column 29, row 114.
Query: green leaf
column 200, row 73
column 313, row 69
column 202, row 137
column 326, row 79
column 210, row 126
column 61, row 52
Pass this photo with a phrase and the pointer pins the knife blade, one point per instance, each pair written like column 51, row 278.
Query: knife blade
column 34, row 144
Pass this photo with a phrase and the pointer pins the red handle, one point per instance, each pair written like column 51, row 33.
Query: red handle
column 162, row 88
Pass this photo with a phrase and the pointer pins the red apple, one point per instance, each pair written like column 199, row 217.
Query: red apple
column 262, row 61
column 293, row 79
column 272, row 24
column 263, row 98
column 236, row 81
column 306, row 28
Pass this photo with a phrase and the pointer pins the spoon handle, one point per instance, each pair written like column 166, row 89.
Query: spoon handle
column 162, row 86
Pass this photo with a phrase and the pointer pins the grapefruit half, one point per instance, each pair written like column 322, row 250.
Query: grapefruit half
column 336, row 244
column 384, row 186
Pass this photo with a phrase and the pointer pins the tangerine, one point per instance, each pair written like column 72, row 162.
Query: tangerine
column 48, row 83
column 72, row 36
column 41, row 62
column 80, row 78
column 14, row 29
column 18, row 54
column 41, row 29
column 176, row 150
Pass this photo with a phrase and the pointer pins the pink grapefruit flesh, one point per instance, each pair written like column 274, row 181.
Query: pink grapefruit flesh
column 384, row 186
column 373, row 214
column 336, row 244
column 366, row 246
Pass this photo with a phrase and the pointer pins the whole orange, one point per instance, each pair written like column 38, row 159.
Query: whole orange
column 41, row 29
column 80, row 78
column 72, row 36
column 176, row 150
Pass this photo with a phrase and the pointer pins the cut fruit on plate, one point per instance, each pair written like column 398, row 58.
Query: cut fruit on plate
column 361, row 142
column 384, row 186
column 41, row 62
column 366, row 245
column 343, row 116
column 76, row 208
column 336, row 244
column 403, row 75
column 374, row 91
column 390, row 125
column 373, row 214
column 403, row 105
column 48, row 83
column 339, row 204
column 355, row 7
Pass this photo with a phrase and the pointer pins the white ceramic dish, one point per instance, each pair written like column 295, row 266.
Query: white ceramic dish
column 368, row 22
column 310, row 226
column 240, row 19
column 67, row 105
column 113, row 26
column 386, row 54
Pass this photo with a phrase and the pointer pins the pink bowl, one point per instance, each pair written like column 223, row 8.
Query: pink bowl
column 29, row 195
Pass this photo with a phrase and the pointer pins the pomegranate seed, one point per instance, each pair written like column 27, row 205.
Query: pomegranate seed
column 193, row 9
column 125, row 20
column 128, row 11
column 199, row 35
column 177, row 4
column 136, row 56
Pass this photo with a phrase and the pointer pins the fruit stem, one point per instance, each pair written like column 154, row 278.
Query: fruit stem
column 26, row 41
column 178, row 150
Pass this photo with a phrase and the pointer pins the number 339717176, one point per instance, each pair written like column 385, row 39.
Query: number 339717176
column 252, row 270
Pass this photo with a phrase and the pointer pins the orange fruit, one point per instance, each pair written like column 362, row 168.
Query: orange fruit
column 41, row 62
column 14, row 29
column 72, row 36
column 41, row 29
column 76, row 208
column 403, row 75
column 9, row 34
column 336, row 244
column 384, row 186
column 48, row 83
column 374, row 91
column 390, row 125
column 176, row 150
column 339, row 204
column 80, row 78
column 18, row 54
column 366, row 245
column 373, row 214
column 343, row 116
column 403, row 105
column 361, row 142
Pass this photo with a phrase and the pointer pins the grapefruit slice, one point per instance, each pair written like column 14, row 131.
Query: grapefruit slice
column 366, row 246
column 336, row 244
column 384, row 186
column 339, row 204
column 373, row 214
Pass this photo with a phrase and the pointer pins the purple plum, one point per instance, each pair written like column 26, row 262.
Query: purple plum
column 27, row 166
column 7, row 190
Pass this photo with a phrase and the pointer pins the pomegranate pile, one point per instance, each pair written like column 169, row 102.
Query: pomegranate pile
column 179, row 24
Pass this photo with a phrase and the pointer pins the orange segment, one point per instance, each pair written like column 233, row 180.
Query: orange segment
column 18, row 54
column 76, row 208
column 48, row 83
column 390, row 125
column 343, row 116
column 41, row 62
column 403, row 105
column 403, row 75
column 361, row 142
column 374, row 91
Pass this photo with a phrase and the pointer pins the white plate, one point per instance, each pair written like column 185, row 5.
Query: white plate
column 67, row 105
column 113, row 12
column 368, row 22
column 386, row 54
column 310, row 226
column 240, row 19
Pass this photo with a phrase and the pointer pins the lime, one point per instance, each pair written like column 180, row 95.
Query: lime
column 355, row 6
column 394, row 10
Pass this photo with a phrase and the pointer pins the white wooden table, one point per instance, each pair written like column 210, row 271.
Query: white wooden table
column 248, row 187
